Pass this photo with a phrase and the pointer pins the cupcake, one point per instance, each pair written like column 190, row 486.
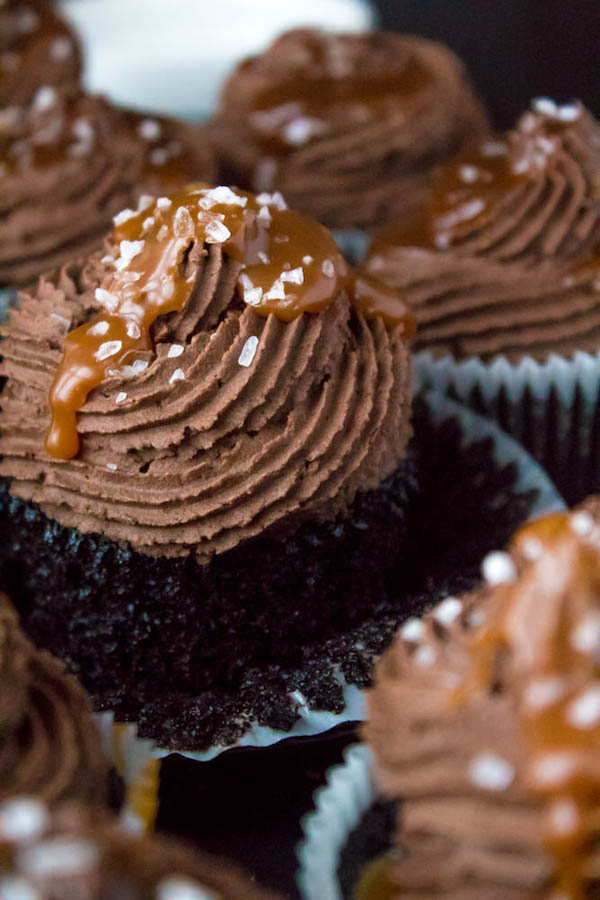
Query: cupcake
column 347, row 126
column 49, row 746
column 485, row 724
column 501, row 267
column 204, row 433
column 37, row 49
column 69, row 162
column 69, row 854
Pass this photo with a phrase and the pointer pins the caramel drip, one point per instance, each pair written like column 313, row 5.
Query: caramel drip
column 287, row 114
column 551, row 646
column 288, row 265
column 376, row 881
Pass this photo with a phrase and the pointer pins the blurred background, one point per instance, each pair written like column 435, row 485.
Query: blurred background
column 171, row 55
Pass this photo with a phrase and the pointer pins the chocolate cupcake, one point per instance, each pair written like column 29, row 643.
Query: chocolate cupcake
column 501, row 266
column 69, row 162
column 204, row 427
column 485, row 722
column 49, row 745
column 37, row 49
column 70, row 854
column 347, row 126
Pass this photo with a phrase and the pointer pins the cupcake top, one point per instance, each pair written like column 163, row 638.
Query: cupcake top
column 36, row 48
column 345, row 124
column 49, row 745
column 504, row 256
column 485, row 721
column 71, row 854
column 69, row 162
column 215, row 372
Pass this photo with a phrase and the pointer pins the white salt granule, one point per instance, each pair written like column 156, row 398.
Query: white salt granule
column 490, row 772
column 121, row 397
column 175, row 350
column 248, row 351
column 498, row 567
column 413, row 630
column 178, row 375
column 107, row 349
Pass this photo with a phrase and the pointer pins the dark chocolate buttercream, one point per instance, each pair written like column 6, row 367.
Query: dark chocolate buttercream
column 37, row 49
column 49, row 745
column 485, row 721
column 504, row 257
column 347, row 126
column 69, row 162
column 231, row 425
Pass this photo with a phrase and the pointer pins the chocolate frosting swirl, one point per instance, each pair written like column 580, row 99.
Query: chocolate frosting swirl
column 68, row 853
column 204, row 447
column 36, row 48
column 348, row 149
column 503, row 257
column 49, row 745
column 484, row 721
column 69, row 162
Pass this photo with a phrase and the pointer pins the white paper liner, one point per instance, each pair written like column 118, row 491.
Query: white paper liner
column 314, row 722
column 548, row 407
column 339, row 806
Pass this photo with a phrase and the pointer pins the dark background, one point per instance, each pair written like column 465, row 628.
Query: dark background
column 515, row 50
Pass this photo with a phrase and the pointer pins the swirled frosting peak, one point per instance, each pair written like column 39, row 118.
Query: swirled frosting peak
column 347, row 126
column 49, row 745
column 224, row 369
column 37, row 49
column 496, row 261
column 485, row 720
column 69, row 162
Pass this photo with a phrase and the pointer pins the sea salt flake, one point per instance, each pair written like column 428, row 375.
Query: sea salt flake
column 83, row 130
column 178, row 375
column 328, row 268
column 22, row 819
column 468, row 174
column 563, row 817
column 59, row 857
column 307, row 260
column 216, row 232
column 553, row 769
column 447, row 611
column 124, row 216
column 129, row 250
column 300, row 130
column 490, row 772
column 498, row 567
column 148, row 223
column 149, row 129
column 545, row 106
column 424, row 656
column 107, row 349
column 121, row 397
column 294, row 276
column 61, row 49
column 264, row 216
column 582, row 523
column 112, row 466
column 99, row 328
column 585, row 637
column 175, row 350
column 162, row 233
column 106, row 299
column 223, row 194
column 275, row 199
column 136, row 368
column 263, row 258
column 253, row 296
column 531, row 548
column 413, row 630
column 276, row 292
column 45, row 98
column 163, row 203
column 584, row 711
column 543, row 692
column 159, row 156
column 183, row 224
column 248, row 352
column 179, row 888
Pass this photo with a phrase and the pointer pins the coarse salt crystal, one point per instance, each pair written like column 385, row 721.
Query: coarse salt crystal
column 99, row 328
column 328, row 268
column 307, row 260
column 468, row 174
column 447, row 611
column 248, row 351
column 490, row 772
column 276, row 292
column 45, row 98
column 553, row 769
column 264, row 216
column 498, row 567
column 584, row 711
column 585, row 637
column 149, row 129
column 253, row 295
column 121, row 397
column 178, row 375
column 22, row 819
column 109, row 301
column 216, row 232
column 124, row 216
column 148, row 223
column 163, row 203
column 108, row 349
column 582, row 523
column 129, row 250
column 61, row 49
column 424, row 656
column 112, row 466
column 294, row 276
column 413, row 630
column 224, row 194
column 175, row 350
column 183, row 224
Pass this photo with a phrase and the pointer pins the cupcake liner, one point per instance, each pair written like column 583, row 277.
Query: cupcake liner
column 7, row 297
column 351, row 707
column 353, row 243
column 339, row 807
column 551, row 408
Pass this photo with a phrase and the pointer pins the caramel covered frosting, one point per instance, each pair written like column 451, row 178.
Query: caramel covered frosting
column 68, row 854
column 347, row 126
column 504, row 255
column 36, row 48
column 214, row 373
column 485, row 722
column 49, row 745
column 69, row 162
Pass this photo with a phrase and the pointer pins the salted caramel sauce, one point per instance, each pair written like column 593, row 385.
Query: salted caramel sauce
column 548, row 625
column 376, row 881
column 289, row 265
column 301, row 106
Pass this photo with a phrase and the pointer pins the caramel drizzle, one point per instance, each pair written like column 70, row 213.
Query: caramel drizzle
column 541, row 622
column 289, row 265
